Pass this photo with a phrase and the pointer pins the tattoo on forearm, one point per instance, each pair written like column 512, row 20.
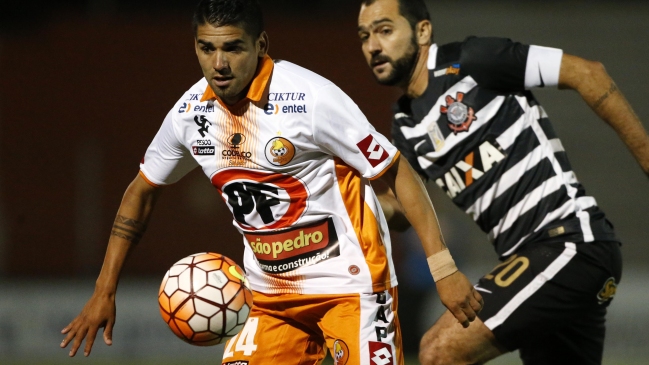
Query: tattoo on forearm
column 128, row 229
column 602, row 98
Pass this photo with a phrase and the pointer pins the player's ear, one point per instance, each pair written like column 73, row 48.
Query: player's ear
column 424, row 31
column 262, row 44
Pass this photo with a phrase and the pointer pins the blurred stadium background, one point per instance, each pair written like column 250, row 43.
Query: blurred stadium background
column 84, row 85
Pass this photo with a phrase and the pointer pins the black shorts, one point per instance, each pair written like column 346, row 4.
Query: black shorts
column 549, row 300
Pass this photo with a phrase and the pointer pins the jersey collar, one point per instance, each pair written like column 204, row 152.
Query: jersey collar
column 432, row 57
column 257, row 86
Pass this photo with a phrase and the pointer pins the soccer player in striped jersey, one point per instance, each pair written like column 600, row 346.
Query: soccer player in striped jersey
column 468, row 122
column 292, row 157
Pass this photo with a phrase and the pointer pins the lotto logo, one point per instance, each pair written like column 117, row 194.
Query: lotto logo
column 372, row 150
column 203, row 151
column 380, row 353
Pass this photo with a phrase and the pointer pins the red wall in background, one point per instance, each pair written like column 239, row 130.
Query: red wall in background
column 77, row 85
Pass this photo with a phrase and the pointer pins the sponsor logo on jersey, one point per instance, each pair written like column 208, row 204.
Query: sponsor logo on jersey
column 260, row 199
column 380, row 353
column 185, row 108
column 194, row 97
column 294, row 248
column 340, row 352
column 234, row 155
column 354, row 270
column 459, row 115
column 381, row 318
column 271, row 109
column 238, row 362
column 372, row 150
column 454, row 69
column 608, row 291
column 203, row 151
column 236, row 140
column 279, row 151
column 286, row 96
column 208, row 108
column 203, row 123
column 471, row 168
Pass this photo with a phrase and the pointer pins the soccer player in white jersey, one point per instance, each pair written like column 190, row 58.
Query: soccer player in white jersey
column 292, row 156
column 468, row 122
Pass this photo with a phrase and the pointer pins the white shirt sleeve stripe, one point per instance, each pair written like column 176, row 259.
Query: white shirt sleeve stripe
column 543, row 66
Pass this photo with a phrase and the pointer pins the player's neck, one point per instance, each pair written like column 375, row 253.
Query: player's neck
column 419, row 78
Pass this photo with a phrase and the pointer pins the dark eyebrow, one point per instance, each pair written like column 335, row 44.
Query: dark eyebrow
column 233, row 43
column 205, row 43
column 376, row 22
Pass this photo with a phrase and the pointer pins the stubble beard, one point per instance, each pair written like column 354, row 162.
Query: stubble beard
column 402, row 68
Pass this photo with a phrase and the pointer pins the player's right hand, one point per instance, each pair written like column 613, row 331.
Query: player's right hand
column 460, row 297
column 98, row 312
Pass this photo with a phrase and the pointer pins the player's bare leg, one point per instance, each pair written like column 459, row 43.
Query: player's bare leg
column 447, row 342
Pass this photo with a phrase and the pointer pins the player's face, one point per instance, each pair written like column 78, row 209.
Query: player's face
column 229, row 56
column 388, row 42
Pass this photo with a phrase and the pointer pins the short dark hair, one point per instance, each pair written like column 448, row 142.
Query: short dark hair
column 246, row 14
column 413, row 10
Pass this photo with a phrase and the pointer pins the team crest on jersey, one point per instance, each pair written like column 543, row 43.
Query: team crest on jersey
column 459, row 115
column 608, row 291
column 340, row 352
column 261, row 200
column 279, row 151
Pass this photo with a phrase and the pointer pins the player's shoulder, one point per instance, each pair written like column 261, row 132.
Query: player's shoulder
column 289, row 73
column 190, row 101
column 480, row 48
column 479, row 55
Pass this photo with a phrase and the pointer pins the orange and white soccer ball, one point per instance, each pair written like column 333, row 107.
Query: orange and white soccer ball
column 205, row 299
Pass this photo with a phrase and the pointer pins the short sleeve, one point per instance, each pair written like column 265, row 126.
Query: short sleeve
column 495, row 63
column 504, row 65
column 166, row 160
column 342, row 130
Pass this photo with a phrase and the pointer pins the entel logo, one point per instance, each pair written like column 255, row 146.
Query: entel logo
column 185, row 108
column 271, row 109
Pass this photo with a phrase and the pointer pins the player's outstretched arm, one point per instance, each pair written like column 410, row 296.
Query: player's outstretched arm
column 599, row 91
column 455, row 290
column 129, row 226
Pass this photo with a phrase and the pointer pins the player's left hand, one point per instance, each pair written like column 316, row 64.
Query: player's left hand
column 460, row 297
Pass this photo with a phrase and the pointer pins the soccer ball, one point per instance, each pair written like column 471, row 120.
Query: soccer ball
column 205, row 299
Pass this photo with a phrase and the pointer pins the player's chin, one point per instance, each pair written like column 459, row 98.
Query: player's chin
column 386, row 79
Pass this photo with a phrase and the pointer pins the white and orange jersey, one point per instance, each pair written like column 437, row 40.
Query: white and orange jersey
column 293, row 162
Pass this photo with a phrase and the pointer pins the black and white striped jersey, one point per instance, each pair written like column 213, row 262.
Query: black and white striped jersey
column 481, row 136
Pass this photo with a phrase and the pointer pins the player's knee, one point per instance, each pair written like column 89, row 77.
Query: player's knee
column 432, row 350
